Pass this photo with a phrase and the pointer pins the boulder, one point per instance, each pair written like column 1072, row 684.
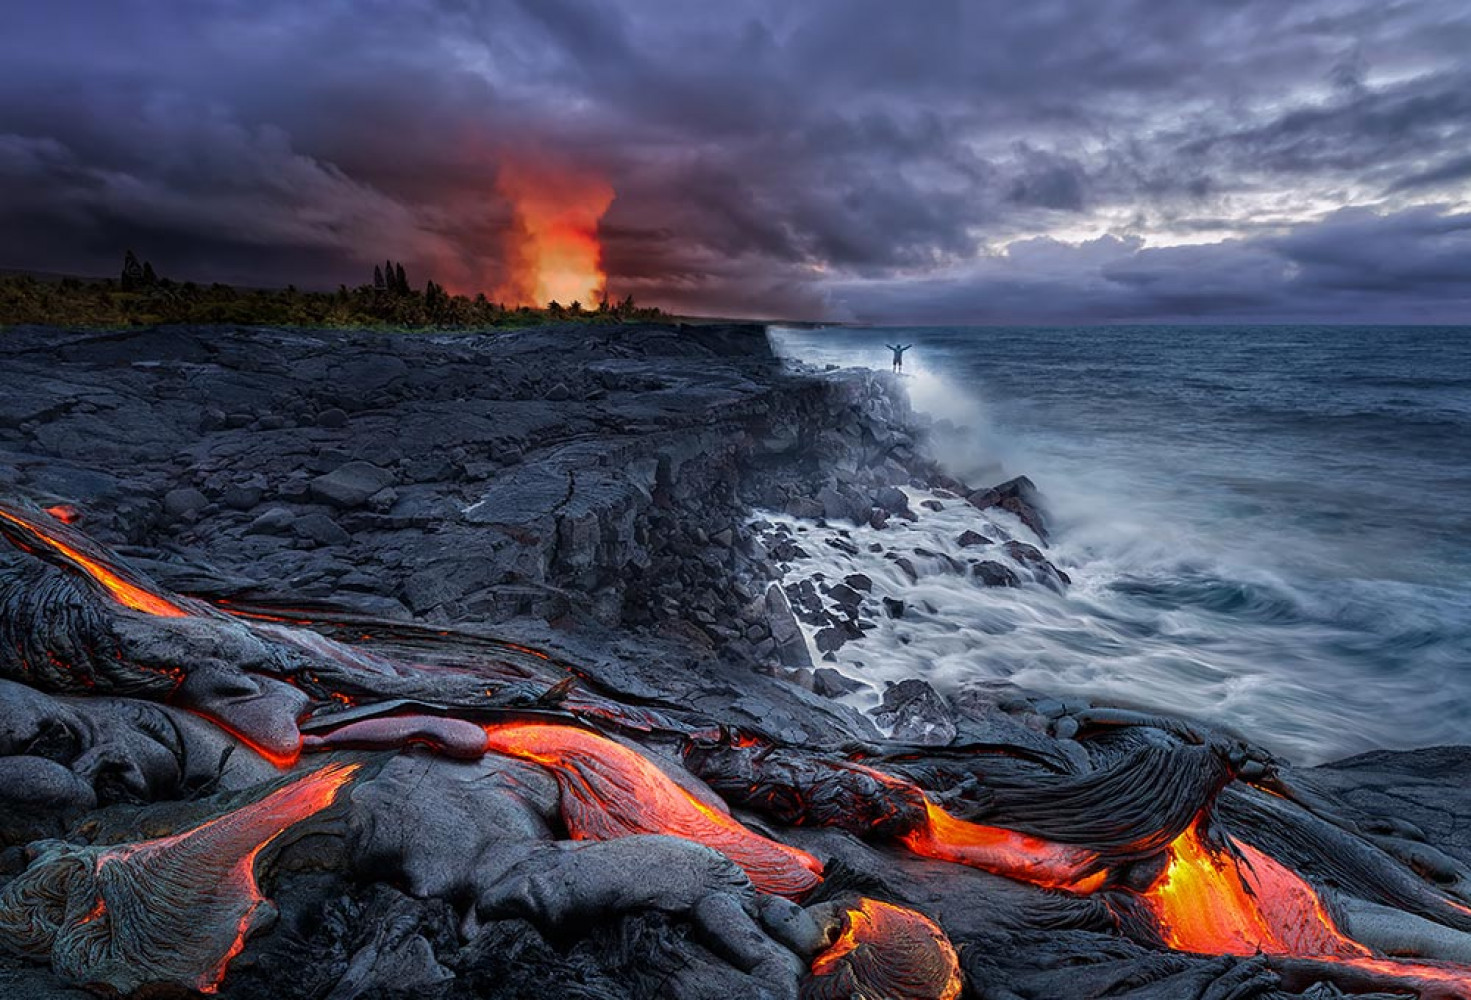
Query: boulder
column 791, row 647
column 183, row 502
column 275, row 521
column 831, row 683
column 350, row 485
column 1018, row 496
column 995, row 574
column 915, row 712
column 321, row 529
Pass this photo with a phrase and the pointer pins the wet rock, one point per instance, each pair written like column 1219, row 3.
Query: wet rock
column 831, row 683
column 791, row 647
column 804, row 507
column 1041, row 567
column 914, row 711
column 893, row 500
column 995, row 574
column 350, row 485
column 830, row 639
column 970, row 539
column 859, row 581
column 845, row 596
column 893, row 607
column 1019, row 496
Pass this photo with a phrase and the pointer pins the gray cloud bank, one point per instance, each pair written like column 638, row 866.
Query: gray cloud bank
column 1111, row 160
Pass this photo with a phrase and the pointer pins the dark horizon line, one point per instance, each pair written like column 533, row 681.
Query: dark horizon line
column 846, row 324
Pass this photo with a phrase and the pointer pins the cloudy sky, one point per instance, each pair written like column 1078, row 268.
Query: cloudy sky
column 934, row 161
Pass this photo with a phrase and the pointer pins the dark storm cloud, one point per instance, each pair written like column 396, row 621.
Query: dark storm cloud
column 1354, row 266
column 865, row 159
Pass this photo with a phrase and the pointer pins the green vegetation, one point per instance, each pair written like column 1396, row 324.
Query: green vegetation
column 139, row 297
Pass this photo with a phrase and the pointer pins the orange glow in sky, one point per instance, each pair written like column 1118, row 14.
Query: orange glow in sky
column 558, row 209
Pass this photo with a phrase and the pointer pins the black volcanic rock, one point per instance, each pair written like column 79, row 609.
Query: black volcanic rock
column 351, row 484
column 995, row 574
column 916, row 713
column 409, row 544
column 1019, row 496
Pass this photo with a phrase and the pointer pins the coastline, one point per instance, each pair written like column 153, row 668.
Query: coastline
column 597, row 493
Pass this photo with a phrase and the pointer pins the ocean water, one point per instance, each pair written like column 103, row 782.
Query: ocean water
column 1267, row 527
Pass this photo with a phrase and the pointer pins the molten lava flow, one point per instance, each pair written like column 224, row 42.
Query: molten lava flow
column 261, row 823
column 1210, row 901
column 610, row 790
column 167, row 912
column 65, row 513
column 1005, row 852
column 559, row 210
column 127, row 594
column 886, row 952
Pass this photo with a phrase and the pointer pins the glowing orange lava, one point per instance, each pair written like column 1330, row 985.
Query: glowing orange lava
column 65, row 513
column 610, row 790
column 906, row 950
column 559, row 209
column 125, row 593
column 1209, row 901
column 1005, row 852
column 221, row 854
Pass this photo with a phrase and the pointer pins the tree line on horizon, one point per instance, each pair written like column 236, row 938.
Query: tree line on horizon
column 140, row 297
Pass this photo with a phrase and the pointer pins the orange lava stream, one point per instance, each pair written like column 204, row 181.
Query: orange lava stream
column 124, row 592
column 63, row 512
column 289, row 805
column 610, row 791
column 891, row 934
column 248, row 831
column 1210, row 902
column 1005, row 852
column 1207, row 901
column 559, row 209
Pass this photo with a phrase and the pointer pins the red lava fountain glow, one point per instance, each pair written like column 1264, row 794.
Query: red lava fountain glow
column 558, row 209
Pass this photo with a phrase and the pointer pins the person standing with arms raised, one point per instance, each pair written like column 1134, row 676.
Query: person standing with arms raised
column 898, row 355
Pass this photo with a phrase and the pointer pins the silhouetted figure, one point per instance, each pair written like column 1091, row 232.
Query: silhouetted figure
column 898, row 355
